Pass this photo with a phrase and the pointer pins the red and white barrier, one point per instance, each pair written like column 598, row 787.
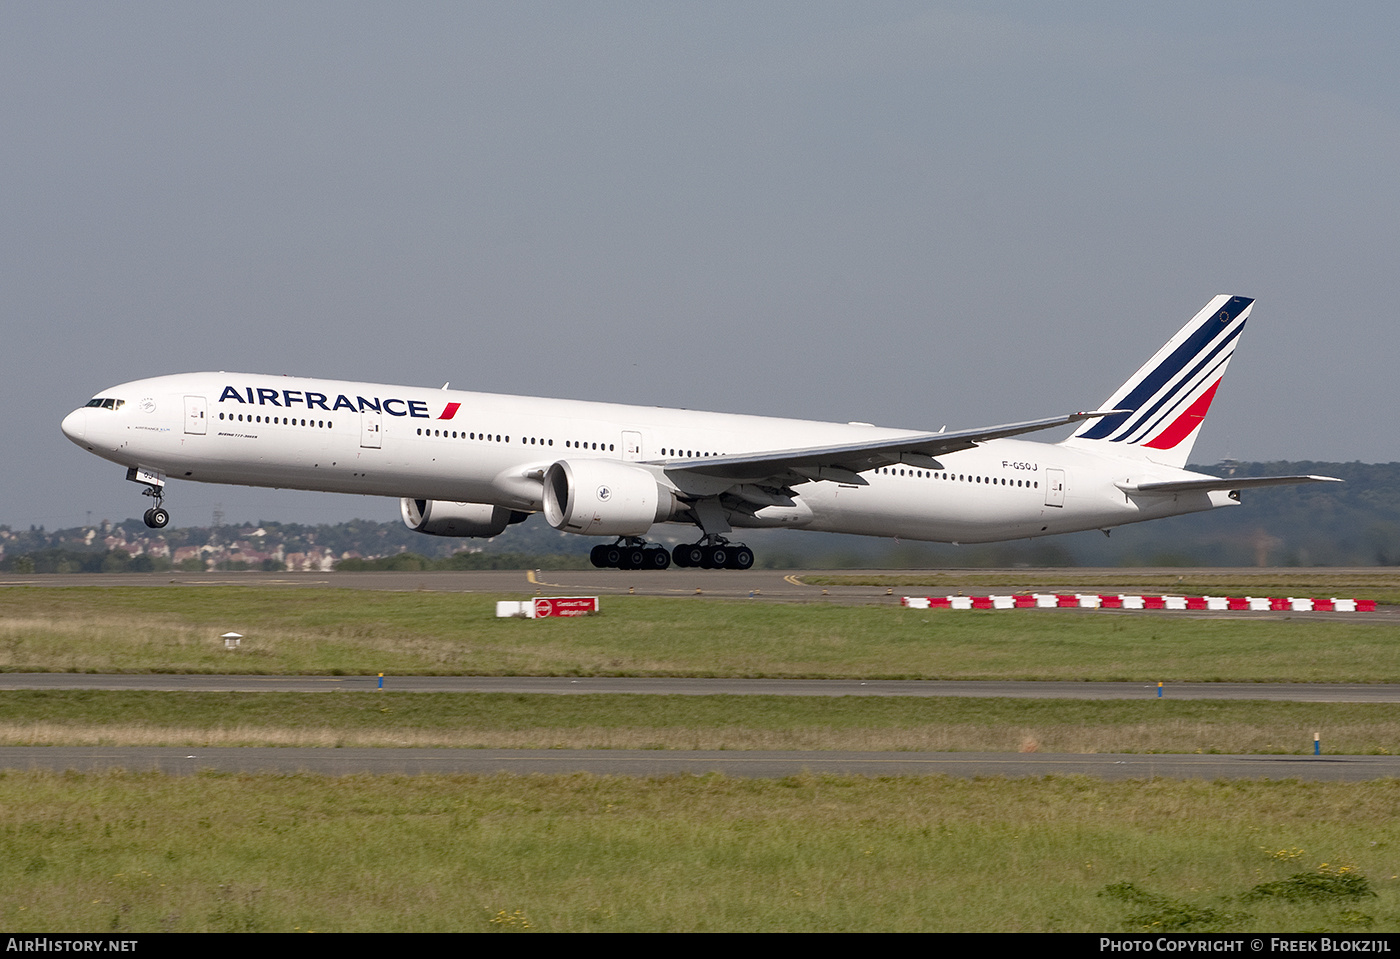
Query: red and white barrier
column 1126, row 601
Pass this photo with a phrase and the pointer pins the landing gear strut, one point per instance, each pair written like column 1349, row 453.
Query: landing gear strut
column 712, row 552
column 156, row 517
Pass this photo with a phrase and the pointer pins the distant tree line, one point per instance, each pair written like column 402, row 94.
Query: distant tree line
column 118, row 561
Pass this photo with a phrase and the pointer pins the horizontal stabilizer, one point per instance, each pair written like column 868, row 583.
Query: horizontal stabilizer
column 1222, row 483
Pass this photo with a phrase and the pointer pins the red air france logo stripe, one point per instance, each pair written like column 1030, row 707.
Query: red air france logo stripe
column 450, row 411
column 1184, row 424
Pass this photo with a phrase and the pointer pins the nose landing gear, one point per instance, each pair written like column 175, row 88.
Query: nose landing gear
column 156, row 517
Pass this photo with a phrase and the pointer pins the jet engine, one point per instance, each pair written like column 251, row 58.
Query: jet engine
column 438, row 518
column 604, row 498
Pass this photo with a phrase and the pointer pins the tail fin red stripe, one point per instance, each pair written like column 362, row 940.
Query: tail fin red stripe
column 1186, row 423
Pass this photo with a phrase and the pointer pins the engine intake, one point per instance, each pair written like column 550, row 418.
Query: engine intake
column 604, row 498
column 438, row 518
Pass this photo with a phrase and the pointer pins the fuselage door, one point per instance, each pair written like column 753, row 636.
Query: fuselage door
column 370, row 437
column 1054, row 487
column 631, row 446
column 195, row 411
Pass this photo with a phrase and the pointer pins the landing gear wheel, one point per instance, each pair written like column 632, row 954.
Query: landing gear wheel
column 633, row 554
column 688, row 557
column 638, row 555
column 716, row 557
column 720, row 555
column 155, row 517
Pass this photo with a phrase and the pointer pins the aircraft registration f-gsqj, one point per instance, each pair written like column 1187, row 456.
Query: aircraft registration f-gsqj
column 470, row 464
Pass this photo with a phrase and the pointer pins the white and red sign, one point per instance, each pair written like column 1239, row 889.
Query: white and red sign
column 543, row 606
column 565, row 606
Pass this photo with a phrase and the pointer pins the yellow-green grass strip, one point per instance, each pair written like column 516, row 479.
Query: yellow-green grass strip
column 325, row 631
column 608, row 721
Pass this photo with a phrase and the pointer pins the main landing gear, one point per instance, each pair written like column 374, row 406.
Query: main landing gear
column 712, row 552
column 629, row 552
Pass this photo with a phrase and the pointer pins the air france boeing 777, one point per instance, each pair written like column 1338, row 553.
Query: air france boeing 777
column 470, row 464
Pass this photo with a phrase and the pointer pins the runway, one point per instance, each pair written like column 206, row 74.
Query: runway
column 760, row 585
column 660, row 763
column 768, row 585
column 684, row 686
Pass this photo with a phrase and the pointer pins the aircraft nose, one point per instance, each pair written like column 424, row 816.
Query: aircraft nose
column 75, row 425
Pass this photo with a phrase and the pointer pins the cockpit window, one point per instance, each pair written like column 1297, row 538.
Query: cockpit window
column 105, row 403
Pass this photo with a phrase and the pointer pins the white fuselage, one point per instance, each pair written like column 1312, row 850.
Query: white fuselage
column 448, row 445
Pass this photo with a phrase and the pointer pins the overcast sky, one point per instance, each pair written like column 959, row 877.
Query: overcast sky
column 913, row 214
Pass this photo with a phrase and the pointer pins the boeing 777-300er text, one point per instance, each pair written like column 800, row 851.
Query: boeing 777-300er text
column 471, row 464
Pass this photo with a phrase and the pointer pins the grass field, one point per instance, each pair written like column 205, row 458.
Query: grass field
column 144, row 852
column 363, row 632
column 124, row 852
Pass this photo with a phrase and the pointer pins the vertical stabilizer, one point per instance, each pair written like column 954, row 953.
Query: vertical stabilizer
column 1164, row 402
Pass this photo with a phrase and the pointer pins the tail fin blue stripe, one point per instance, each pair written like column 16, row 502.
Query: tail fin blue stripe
column 1180, row 399
column 1197, row 343
column 1183, row 391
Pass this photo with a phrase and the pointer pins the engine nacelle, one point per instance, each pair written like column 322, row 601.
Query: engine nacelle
column 438, row 518
column 604, row 498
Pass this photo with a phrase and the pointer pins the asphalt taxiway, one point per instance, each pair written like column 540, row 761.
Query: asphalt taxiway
column 783, row 586
column 686, row 686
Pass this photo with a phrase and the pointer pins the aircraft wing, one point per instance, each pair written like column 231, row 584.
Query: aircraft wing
column 1223, row 483
column 844, row 463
